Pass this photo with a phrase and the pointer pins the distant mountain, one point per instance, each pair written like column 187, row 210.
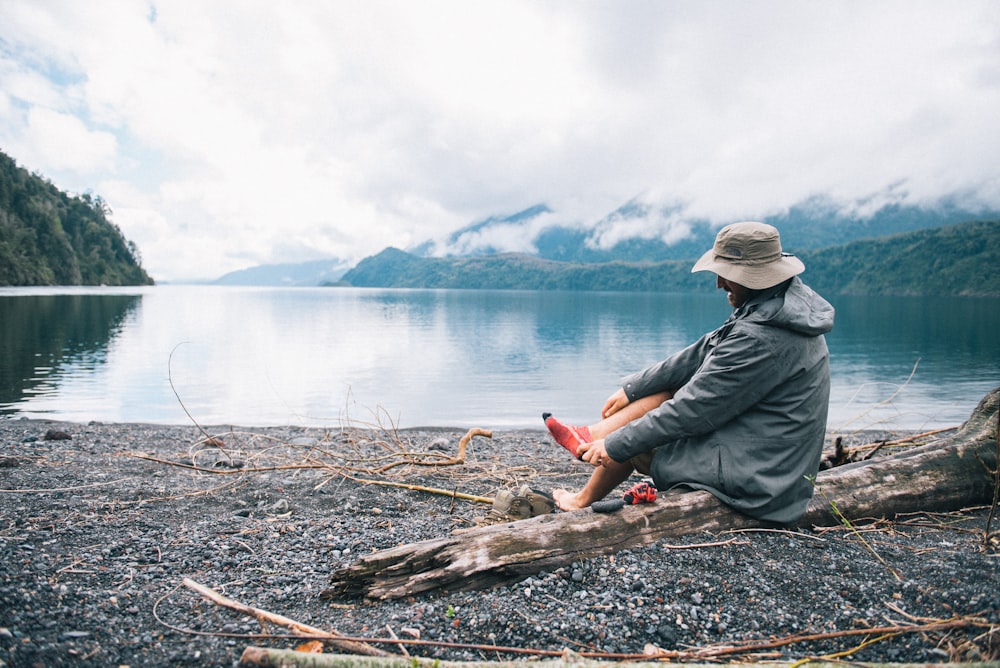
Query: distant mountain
column 48, row 237
column 305, row 274
column 629, row 234
column 635, row 232
column 951, row 260
column 481, row 238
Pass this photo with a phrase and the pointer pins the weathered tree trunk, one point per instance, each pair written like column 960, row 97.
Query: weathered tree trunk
column 955, row 473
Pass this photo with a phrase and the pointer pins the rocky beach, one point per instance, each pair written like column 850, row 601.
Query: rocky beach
column 103, row 527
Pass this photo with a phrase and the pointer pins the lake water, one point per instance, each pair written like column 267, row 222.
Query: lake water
column 451, row 358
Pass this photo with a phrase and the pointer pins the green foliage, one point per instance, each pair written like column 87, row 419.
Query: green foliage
column 395, row 268
column 50, row 238
column 955, row 260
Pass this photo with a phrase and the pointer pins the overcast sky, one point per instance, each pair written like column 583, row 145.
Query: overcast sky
column 230, row 133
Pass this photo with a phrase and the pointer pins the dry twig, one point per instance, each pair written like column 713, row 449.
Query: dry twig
column 332, row 637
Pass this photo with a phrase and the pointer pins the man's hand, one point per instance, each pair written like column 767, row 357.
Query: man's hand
column 594, row 453
column 615, row 403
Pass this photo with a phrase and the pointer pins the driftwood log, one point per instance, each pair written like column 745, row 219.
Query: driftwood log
column 955, row 473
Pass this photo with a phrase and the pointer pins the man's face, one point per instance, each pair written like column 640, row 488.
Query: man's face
column 737, row 293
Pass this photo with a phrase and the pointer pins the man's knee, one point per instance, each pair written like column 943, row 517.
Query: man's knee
column 643, row 464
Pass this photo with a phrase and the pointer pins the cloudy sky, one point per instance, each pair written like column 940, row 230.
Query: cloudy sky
column 230, row 133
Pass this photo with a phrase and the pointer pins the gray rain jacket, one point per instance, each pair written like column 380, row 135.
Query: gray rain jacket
column 748, row 416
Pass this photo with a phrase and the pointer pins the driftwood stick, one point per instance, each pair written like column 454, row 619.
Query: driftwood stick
column 332, row 637
column 917, row 437
column 280, row 658
column 944, row 476
column 238, row 471
column 421, row 488
column 463, row 443
column 277, row 658
column 457, row 459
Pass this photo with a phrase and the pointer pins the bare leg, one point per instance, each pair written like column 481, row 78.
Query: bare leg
column 632, row 411
column 602, row 481
column 611, row 474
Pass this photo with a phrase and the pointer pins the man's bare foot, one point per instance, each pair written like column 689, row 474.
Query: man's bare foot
column 567, row 500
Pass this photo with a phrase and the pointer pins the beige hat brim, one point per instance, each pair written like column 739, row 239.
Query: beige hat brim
column 756, row 277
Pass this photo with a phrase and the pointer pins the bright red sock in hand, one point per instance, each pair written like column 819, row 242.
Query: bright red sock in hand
column 565, row 435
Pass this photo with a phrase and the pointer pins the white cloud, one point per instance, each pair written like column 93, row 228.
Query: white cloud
column 64, row 142
column 269, row 132
column 647, row 222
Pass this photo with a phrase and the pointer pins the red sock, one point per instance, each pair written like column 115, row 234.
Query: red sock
column 565, row 435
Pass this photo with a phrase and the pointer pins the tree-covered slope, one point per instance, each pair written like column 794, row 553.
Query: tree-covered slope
column 953, row 260
column 398, row 269
column 50, row 238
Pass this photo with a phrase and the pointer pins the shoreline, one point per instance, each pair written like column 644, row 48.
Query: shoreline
column 95, row 543
column 223, row 427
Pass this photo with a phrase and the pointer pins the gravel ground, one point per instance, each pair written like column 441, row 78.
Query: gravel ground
column 95, row 542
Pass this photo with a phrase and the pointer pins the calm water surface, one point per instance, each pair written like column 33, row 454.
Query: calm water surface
column 329, row 357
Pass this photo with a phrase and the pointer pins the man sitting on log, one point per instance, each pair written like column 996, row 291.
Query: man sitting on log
column 740, row 413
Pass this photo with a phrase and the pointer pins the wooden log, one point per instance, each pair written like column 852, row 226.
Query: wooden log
column 956, row 473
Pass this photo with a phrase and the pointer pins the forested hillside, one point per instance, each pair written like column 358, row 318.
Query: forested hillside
column 50, row 238
column 955, row 260
column 952, row 260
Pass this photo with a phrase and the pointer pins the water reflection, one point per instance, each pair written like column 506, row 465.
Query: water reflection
column 45, row 337
column 458, row 358
column 919, row 361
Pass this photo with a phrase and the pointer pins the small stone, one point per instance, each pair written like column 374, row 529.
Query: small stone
column 279, row 506
column 667, row 634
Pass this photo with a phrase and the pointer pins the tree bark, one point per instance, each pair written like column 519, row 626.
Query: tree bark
column 955, row 473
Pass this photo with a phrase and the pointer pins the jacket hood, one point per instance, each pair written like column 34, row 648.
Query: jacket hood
column 799, row 308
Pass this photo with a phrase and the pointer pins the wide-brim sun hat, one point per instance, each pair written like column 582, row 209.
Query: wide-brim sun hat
column 750, row 254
